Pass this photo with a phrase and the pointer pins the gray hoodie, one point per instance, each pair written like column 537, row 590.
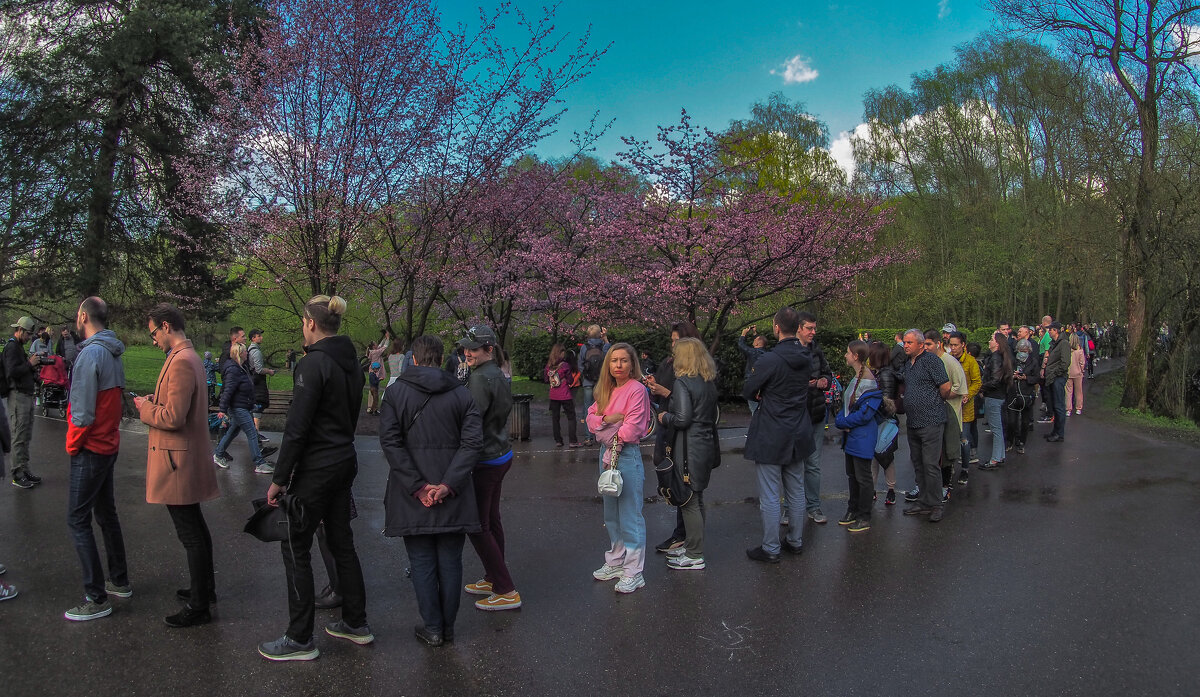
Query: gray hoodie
column 97, row 368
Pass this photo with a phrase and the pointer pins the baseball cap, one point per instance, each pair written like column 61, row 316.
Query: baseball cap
column 949, row 328
column 25, row 323
column 477, row 337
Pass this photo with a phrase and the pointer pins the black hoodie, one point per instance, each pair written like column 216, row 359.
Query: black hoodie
column 323, row 416
column 431, row 433
column 780, row 431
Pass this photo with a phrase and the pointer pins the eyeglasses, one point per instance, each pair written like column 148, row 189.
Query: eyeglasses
column 154, row 333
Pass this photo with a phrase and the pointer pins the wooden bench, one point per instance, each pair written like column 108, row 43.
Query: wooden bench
column 280, row 401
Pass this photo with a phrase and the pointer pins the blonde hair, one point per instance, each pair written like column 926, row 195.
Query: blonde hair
column 692, row 359
column 238, row 352
column 1073, row 341
column 607, row 383
column 326, row 311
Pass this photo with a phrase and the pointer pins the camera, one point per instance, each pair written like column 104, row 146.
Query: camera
column 45, row 359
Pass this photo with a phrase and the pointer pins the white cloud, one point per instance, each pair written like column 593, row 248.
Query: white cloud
column 943, row 9
column 842, row 149
column 797, row 70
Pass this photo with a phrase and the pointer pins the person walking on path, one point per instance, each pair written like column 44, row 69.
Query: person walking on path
column 431, row 433
column 256, row 362
column 493, row 398
column 1058, row 362
column 557, row 374
column 21, row 371
column 620, row 417
column 780, row 435
column 317, row 464
column 237, row 399
column 926, row 389
column 179, row 469
column 93, row 439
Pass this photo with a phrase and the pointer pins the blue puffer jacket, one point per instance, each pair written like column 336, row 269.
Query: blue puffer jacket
column 861, row 425
column 237, row 388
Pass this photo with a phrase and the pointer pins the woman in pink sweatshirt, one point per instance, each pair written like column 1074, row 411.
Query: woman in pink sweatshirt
column 622, row 412
column 1075, row 372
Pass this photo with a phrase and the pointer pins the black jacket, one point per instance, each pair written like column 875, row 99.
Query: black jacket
column 816, row 395
column 21, row 375
column 493, row 397
column 431, row 432
column 692, row 417
column 1026, row 388
column 780, row 432
column 899, row 358
column 1059, row 361
column 751, row 353
column 995, row 379
column 326, row 401
column 238, row 390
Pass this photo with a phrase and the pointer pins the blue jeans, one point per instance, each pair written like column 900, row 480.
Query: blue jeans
column 1059, row 389
column 588, row 399
column 437, row 568
column 241, row 420
column 772, row 481
column 92, row 492
column 623, row 514
column 812, row 472
column 995, row 416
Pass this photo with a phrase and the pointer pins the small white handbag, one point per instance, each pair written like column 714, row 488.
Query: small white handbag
column 610, row 482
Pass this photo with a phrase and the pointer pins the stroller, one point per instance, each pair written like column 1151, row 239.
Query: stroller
column 53, row 387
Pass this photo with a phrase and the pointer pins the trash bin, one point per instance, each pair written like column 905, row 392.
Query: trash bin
column 518, row 428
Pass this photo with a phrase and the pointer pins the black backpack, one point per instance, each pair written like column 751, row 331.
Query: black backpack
column 593, row 359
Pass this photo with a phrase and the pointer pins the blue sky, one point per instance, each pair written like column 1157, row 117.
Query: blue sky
column 717, row 58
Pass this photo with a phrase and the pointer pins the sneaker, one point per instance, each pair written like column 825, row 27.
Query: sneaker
column 1078, row 412
column 263, row 440
column 991, row 465
column 506, row 601
column 912, row 494
column 480, row 587
column 23, row 482
column 285, row 649
column 685, row 563
column 33, row 478
column 630, row 584
column 974, row 458
column 1045, row 420
column 860, row 525
column 963, row 477
column 3, row 569
column 760, row 554
column 669, row 544
column 89, row 610
column 269, row 450
column 576, row 444
column 847, row 519
column 818, row 517
column 890, row 500
column 359, row 635
column 222, row 461
column 124, row 591
column 608, row 573
column 678, row 551
column 945, row 494
column 265, row 468
column 1021, row 449
column 7, row 592
column 188, row 617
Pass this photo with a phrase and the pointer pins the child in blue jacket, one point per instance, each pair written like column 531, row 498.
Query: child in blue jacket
column 858, row 418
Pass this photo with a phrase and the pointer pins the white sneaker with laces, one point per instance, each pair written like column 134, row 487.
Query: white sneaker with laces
column 607, row 573
column 629, row 584
column 685, row 563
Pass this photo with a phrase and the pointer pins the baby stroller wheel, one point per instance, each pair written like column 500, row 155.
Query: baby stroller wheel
column 62, row 413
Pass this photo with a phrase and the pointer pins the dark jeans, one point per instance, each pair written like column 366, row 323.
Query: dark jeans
column 925, row 448
column 240, row 420
column 193, row 533
column 1058, row 388
column 566, row 406
column 436, row 565
column 92, row 492
column 325, row 493
column 489, row 541
column 862, row 487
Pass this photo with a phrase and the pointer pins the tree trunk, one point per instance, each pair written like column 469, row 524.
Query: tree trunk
column 96, row 243
column 1134, row 253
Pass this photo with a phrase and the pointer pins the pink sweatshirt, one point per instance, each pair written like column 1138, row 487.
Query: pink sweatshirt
column 633, row 400
column 1078, row 364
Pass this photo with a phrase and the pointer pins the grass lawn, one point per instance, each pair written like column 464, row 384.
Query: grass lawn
column 142, row 364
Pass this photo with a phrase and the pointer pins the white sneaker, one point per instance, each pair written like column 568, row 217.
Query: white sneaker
column 685, row 563
column 678, row 551
column 608, row 573
column 222, row 462
column 265, row 468
column 629, row 584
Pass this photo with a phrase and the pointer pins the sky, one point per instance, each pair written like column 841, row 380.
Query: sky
column 716, row 59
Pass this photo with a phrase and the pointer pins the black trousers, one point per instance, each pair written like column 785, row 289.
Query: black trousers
column 193, row 533
column 325, row 494
column 862, row 486
column 566, row 406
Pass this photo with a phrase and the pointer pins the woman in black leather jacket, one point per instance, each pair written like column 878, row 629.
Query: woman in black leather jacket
column 692, row 416
column 879, row 360
column 997, row 376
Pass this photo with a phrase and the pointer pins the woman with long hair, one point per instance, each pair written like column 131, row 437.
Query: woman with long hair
column 1075, row 373
column 557, row 373
column 998, row 376
column 879, row 359
column 860, row 405
column 692, row 416
column 375, row 375
column 620, row 417
column 237, row 398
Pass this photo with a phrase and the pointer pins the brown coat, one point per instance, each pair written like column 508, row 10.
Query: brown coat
column 179, row 464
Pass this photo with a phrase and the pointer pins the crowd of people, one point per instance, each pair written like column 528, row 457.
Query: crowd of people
column 444, row 432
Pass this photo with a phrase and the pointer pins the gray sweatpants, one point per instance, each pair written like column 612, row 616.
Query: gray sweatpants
column 20, row 423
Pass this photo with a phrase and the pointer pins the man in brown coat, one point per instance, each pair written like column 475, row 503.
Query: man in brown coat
column 179, row 469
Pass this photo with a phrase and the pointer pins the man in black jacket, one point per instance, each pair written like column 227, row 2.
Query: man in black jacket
column 317, row 464
column 22, row 382
column 780, row 433
column 818, row 381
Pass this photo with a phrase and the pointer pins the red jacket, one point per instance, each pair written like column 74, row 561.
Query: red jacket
column 103, row 435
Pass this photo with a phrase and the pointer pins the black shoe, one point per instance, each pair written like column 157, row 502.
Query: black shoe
column 963, row 477
column 669, row 544
column 33, row 478
column 1054, row 439
column 187, row 617
column 890, row 499
column 328, row 599
column 791, row 548
column 991, row 465
column 448, row 635
column 917, row 509
column 760, row 554
column 935, row 516
column 269, row 450
column 23, row 481
column 848, row 518
column 185, row 594
column 912, row 494
column 1020, row 448
column 430, row 638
